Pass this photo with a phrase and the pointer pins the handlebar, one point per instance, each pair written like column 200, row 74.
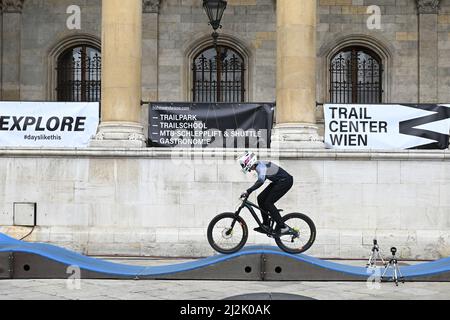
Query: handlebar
column 241, row 202
column 244, row 196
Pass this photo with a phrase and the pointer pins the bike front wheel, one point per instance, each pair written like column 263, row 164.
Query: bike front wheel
column 227, row 233
column 301, row 236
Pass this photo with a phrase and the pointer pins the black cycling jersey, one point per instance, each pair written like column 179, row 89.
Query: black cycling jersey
column 268, row 170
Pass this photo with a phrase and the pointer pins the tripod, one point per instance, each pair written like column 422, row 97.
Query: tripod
column 375, row 255
column 393, row 263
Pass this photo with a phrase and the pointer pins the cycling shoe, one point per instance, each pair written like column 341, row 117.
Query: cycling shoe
column 285, row 231
column 261, row 230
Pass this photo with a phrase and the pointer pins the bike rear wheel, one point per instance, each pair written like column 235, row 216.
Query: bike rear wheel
column 302, row 234
column 227, row 233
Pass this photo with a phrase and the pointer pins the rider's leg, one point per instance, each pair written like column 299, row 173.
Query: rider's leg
column 277, row 192
column 262, row 197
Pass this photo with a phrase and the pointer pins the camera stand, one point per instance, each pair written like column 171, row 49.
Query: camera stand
column 393, row 264
column 375, row 256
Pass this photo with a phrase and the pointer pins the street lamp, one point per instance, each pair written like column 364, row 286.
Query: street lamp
column 215, row 9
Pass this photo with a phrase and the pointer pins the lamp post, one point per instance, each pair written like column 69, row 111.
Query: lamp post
column 215, row 9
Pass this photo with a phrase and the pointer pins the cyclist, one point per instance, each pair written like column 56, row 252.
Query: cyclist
column 281, row 183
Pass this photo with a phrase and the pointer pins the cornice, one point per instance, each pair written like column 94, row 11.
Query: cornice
column 428, row 6
column 11, row 6
column 150, row 6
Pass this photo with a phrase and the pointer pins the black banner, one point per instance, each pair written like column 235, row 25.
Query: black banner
column 210, row 125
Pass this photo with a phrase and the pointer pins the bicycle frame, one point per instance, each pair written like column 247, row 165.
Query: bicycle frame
column 250, row 207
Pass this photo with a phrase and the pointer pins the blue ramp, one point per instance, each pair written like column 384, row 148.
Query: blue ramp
column 23, row 260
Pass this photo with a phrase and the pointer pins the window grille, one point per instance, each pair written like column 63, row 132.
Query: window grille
column 356, row 76
column 218, row 76
column 79, row 75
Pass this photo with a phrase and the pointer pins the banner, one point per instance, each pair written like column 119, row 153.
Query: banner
column 48, row 124
column 213, row 125
column 406, row 126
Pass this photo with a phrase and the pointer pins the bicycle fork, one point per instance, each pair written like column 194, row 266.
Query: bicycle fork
column 234, row 221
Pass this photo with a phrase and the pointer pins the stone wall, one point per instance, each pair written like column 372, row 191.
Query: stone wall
column 44, row 28
column 143, row 202
column 151, row 202
column 444, row 52
column 183, row 26
column 172, row 32
column 398, row 39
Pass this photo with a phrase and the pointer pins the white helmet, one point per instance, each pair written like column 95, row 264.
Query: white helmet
column 248, row 161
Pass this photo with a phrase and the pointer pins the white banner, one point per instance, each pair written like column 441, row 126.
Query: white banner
column 48, row 124
column 409, row 126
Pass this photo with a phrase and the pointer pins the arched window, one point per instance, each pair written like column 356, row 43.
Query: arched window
column 218, row 75
column 356, row 76
column 79, row 75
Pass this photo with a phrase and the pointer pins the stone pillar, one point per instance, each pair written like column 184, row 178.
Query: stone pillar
column 11, row 39
column 296, row 76
column 121, row 75
column 428, row 50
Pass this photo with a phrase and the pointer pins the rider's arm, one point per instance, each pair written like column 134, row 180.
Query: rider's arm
column 261, row 179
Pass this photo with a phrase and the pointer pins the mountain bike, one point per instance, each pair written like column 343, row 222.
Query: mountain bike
column 228, row 232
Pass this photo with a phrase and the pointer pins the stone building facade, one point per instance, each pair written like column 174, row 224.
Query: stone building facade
column 412, row 41
column 140, row 201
